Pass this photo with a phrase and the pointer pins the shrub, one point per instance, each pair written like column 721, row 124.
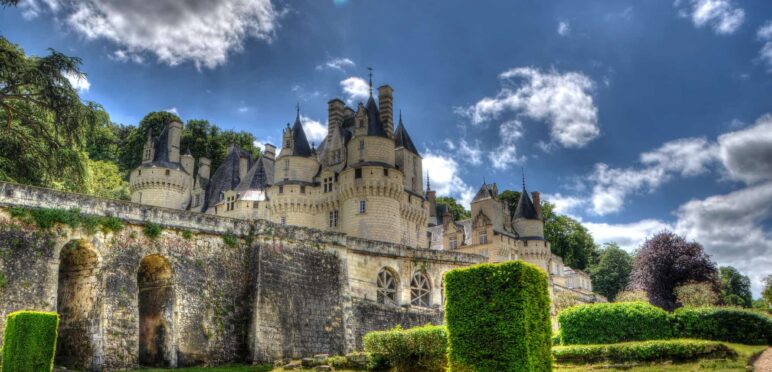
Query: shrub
column 29, row 341
column 187, row 234
column 418, row 348
column 724, row 324
column 230, row 240
column 152, row 230
column 643, row 351
column 694, row 294
column 632, row 296
column 613, row 322
column 498, row 318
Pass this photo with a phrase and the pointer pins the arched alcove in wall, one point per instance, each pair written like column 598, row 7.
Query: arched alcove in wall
column 79, row 307
column 156, row 312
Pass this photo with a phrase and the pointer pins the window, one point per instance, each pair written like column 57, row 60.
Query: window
column 139, row 172
column 361, row 123
column 333, row 220
column 197, row 200
column 230, row 203
column 286, row 164
column 287, row 144
column 327, row 184
column 386, row 172
column 387, row 287
column 453, row 243
column 281, row 189
column 255, row 204
column 358, row 173
column 361, row 149
column 483, row 237
column 283, row 220
column 362, row 206
column 420, row 291
column 167, row 172
column 302, row 189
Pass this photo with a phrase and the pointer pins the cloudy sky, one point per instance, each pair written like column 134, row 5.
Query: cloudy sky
column 631, row 116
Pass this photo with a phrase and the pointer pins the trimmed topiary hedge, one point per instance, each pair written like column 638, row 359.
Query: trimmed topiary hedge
column 498, row 318
column 609, row 323
column 414, row 349
column 643, row 351
column 724, row 324
column 29, row 341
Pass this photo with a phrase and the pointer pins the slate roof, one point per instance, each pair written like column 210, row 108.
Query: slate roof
column 487, row 191
column 259, row 177
column 402, row 139
column 226, row 177
column 300, row 146
column 525, row 208
column 374, row 124
column 161, row 153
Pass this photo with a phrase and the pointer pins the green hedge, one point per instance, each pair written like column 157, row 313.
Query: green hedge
column 29, row 341
column 609, row 323
column 643, row 351
column 498, row 318
column 415, row 349
column 724, row 324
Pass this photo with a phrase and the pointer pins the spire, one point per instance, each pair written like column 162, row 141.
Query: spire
column 400, row 117
column 299, row 139
column 525, row 208
column 297, row 108
column 523, row 171
column 428, row 180
column 370, row 72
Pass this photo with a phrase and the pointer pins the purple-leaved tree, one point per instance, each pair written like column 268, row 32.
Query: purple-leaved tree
column 666, row 261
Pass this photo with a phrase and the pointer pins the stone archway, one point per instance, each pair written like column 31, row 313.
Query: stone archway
column 79, row 307
column 156, row 312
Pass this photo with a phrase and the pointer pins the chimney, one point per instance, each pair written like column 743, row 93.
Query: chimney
column 175, row 132
column 446, row 219
column 431, row 196
column 334, row 116
column 269, row 151
column 536, row 197
column 385, row 106
column 204, row 165
column 243, row 167
column 187, row 163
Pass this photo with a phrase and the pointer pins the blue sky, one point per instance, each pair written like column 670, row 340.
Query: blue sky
column 631, row 116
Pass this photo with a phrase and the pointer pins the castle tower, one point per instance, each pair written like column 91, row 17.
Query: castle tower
column 407, row 159
column 164, row 179
column 529, row 227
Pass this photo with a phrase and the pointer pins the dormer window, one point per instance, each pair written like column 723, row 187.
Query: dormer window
column 483, row 237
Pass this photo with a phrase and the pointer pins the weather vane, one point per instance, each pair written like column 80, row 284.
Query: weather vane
column 370, row 72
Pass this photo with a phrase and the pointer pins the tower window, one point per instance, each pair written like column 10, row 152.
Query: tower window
column 281, row 189
column 139, row 172
column 453, row 243
column 483, row 237
column 333, row 222
column 358, row 173
column 168, row 172
column 286, row 164
column 283, row 220
column 362, row 206
column 386, row 172
column 302, row 189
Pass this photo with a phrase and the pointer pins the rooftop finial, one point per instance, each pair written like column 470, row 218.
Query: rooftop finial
column 370, row 72
column 400, row 117
column 428, row 180
column 297, row 107
column 484, row 183
column 523, row 171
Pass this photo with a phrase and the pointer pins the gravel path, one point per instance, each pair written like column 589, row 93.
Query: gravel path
column 764, row 363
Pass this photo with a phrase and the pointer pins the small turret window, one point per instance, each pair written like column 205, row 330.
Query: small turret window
column 286, row 164
column 302, row 189
column 453, row 243
column 168, row 172
column 358, row 173
column 281, row 189
column 333, row 222
column 283, row 220
column 362, row 206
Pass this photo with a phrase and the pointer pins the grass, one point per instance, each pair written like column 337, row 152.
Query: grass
column 232, row 368
column 745, row 352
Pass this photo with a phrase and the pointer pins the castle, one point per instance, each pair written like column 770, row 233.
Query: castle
column 364, row 180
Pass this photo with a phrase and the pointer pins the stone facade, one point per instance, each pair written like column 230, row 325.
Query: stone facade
column 278, row 291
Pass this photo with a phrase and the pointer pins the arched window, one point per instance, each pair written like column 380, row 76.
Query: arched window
column 387, row 287
column 420, row 290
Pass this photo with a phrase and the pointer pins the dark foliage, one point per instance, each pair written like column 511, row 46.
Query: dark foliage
column 612, row 272
column 724, row 324
column 735, row 287
column 666, row 261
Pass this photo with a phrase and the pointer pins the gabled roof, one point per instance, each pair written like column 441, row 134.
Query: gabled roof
column 402, row 139
column 487, row 191
column 374, row 124
column 300, row 146
column 525, row 208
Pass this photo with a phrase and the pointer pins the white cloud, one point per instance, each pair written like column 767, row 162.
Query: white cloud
column 564, row 28
column 506, row 153
column 686, row 157
column 315, row 130
column 444, row 174
column 764, row 33
column 562, row 100
column 79, row 82
column 629, row 236
column 723, row 16
column 199, row 31
column 173, row 110
column 243, row 109
column 564, row 204
column 339, row 64
column 731, row 228
column 469, row 153
column 747, row 153
column 449, row 144
column 355, row 88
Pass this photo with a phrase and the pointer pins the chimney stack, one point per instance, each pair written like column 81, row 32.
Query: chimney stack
column 269, row 151
column 536, row 197
column 334, row 116
column 204, row 165
column 243, row 167
column 386, row 107
column 175, row 132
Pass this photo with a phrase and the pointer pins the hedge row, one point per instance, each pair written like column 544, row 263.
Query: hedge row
column 643, row 351
column 415, row 349
column 498, row 318
column 29, row 341
column 637, row 321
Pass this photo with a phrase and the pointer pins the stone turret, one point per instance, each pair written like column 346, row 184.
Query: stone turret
column 186, row 161
column 204, row 167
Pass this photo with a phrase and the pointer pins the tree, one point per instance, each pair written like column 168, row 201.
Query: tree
column 695, row 294
column 612, row 272
column 666, row 261
column 568, row 238
column 564, row 299
column 767, row 291
column 512, row 198
column 760, row 304
column 44, row 122
column 632, row 296
column 153, row 124
column 735, row 287
column 106, row 181
column 457, row 211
